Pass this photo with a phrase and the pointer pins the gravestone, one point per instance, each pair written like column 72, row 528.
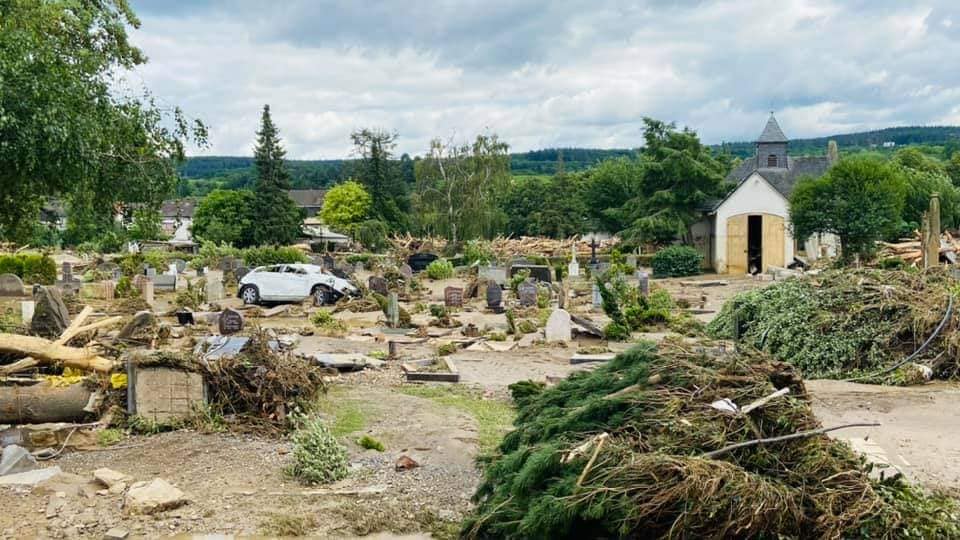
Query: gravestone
column 150, row 272
column 419, row 261
column 214, row 287
column 67, row 271
column 393, row 311
column 240, row 272
column 27, row 307
column 231, row 322
column 108, row 267
column 228, row 264
column 116, row 274
column 181, row 265
column 108, row 289
column 146, row 291
column 494, row 297
column 644, row 280
column 539, row 272
column 496, row 273
column 558, row 326
column 453, row 297
column 10, row 285
column 164, row 282
column 378, row 285
column 163, row 394
column 527, row 292
column 172, row 269
column 50, row 316
column 632, row 260
column 597, row 299
column 181, row 283
column 406, row 271
column 327, row 263
column 573, row 269
column 357, row 268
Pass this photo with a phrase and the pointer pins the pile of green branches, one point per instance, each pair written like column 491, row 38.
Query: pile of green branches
column 848, row 322
column 621, row 452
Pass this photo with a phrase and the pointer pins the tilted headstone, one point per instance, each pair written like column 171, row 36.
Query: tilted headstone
column 453, row 297
column 50, row 316
column 230, row 322
column 527, row 292
column 494, row 296
column 11, row 285
column 378, row 285
column 406, row 271
column 558, row 326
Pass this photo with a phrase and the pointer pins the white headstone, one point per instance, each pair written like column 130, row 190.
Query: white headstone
column 597, row 299
column 172, row 269
column 558, row 326
column 26, row 310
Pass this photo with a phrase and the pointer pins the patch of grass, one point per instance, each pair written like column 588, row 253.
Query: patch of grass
column 447, row 348
column 370, row 443
column 109, row 437
column 344, row 414
column 365, row 519
column 286, row 525
column 494, row 418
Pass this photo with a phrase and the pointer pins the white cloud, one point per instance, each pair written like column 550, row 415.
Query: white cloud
column 547, row 73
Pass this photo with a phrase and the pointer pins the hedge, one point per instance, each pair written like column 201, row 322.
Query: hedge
column 676, row 261
column 30, row 267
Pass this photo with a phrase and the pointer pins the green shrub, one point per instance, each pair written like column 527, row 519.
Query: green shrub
column 440, row 269
column 30, row 267
column 478, row 251
column 267, row 255
column 676, row 261
column 616, row 332
column 370, row 443
column 518, row 278
column 317, row 456
column 211, row 253
column 447, row 349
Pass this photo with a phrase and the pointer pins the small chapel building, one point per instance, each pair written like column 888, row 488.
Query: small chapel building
column 748, row 231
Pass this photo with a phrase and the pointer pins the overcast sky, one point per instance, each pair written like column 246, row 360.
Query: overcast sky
column 548, row 73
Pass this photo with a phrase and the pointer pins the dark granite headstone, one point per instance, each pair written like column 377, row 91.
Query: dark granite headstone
column 328, row 263
column 230, row 322
column 67, row 271
column 527, row 292
column 494, row 296
column 378, row 285
column 240, row 272
column 537, row 271
column 419, row 261
column 453, row 297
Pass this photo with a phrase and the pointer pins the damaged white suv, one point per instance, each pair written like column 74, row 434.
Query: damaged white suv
column 292, row 283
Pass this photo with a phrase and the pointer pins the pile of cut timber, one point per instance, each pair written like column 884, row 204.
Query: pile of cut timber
column 911, row 251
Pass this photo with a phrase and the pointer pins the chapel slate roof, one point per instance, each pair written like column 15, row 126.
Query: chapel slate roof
column 772, row 132
column 782, row 179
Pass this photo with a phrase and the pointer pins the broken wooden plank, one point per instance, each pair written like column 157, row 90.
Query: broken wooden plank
column 705, row 283
column 274, row 311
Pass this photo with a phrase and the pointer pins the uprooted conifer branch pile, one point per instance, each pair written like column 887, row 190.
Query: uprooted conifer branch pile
column 619, row 453
column 258, row 386
column 850, row 322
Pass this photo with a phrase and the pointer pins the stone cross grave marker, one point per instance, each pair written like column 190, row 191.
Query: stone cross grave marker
column 453, row 297
column 527, row 292
column 231, row 322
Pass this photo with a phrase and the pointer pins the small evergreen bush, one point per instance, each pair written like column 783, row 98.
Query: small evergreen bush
column 30, row 267
column 676, row 261
column 317, row 456
column 440, row 269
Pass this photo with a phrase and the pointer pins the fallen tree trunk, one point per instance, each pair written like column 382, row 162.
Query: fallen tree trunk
column 42, row 403
column 47, row 352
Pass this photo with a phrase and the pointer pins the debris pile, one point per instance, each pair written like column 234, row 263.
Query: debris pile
column 911, row 251
column 677, row 443
column 850, row 323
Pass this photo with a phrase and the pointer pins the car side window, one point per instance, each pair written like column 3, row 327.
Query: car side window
column 273, row 269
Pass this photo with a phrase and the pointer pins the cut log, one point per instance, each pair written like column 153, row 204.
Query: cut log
column 47, row 352
column 42, row 403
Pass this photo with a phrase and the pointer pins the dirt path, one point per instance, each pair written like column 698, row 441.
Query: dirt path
column 918, row 433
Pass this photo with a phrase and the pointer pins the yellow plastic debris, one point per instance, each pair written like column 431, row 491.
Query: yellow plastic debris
column 62, row 381
column 118, row 380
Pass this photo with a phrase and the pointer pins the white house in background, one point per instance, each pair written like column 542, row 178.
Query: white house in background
column 748, row 231
column 176, row 216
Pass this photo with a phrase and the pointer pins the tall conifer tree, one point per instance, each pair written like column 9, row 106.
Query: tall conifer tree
column 276, row 216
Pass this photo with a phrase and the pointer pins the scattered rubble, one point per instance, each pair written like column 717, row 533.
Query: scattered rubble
column 154, row 496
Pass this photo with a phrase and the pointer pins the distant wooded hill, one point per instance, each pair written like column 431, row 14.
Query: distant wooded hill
column 207, row 172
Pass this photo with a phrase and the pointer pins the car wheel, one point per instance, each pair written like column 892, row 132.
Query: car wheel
column 322, row 295
column 250, row 295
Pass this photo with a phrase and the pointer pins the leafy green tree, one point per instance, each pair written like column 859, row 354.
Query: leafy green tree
column 608, row 186
column 278, row 220
column 65, row 132
column 538, row 205
column 226, row 216
column 147, row 225
column 381, row 176
column 952, row 168
column 345, row 205
column 859, row 199
column 679, row 175
column 459, row 188
column 923, row 176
